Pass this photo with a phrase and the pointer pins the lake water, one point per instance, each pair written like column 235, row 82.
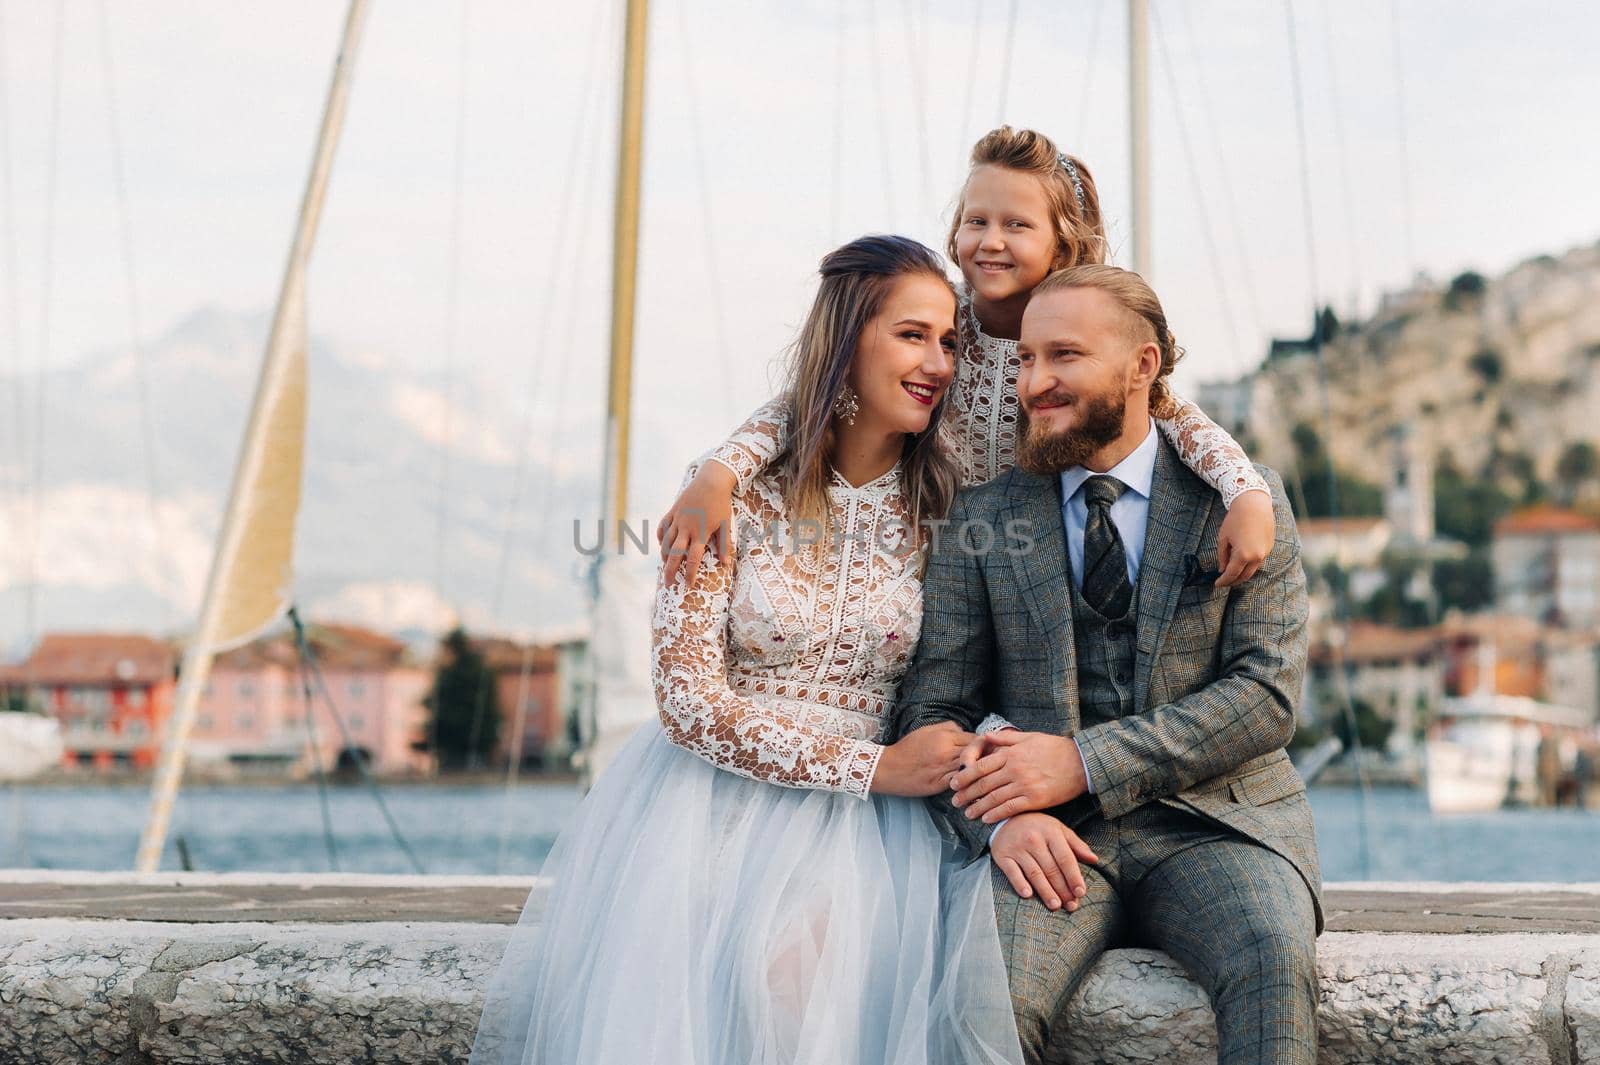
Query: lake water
column 458, row 830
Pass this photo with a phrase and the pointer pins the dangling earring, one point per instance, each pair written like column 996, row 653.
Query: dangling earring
column 846, row 406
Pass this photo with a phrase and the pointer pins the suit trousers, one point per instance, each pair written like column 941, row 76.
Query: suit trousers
column 1234, row 914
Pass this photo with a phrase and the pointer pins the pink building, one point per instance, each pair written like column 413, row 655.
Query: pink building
column 528, row 682
column 252, row 714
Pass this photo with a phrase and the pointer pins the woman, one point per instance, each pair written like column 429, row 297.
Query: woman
column 756, row 880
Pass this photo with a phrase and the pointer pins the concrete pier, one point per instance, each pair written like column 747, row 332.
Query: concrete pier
column 192, row 968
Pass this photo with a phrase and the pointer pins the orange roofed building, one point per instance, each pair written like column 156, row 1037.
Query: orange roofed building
column 1547, row 566
column 111, row 692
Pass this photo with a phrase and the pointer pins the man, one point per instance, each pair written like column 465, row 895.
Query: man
column 1144, row 795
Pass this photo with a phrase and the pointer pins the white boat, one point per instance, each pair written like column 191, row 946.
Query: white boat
column 1483, row 753
column 29, row 745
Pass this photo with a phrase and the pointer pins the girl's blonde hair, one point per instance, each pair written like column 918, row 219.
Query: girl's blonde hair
column 1138, row 299
column 856, row 280
column 1074, row 204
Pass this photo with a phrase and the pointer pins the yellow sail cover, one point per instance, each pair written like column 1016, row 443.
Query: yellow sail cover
column 256, row 571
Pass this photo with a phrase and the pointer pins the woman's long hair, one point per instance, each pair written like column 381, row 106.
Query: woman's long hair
column 856, row 279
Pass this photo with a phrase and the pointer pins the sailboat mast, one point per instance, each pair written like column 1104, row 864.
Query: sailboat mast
column 625, row 270
column 1139, row 132
column 279, row 402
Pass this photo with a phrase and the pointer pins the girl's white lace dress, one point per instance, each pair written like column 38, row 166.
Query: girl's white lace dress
column 729, row 892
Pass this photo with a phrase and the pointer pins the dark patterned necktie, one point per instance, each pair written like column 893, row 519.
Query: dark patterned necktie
column 1105, row 563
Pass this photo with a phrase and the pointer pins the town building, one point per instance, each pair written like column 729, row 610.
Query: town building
column 111, row 692
column 1547, row 566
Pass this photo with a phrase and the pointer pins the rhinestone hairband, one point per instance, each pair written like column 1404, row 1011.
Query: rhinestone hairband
column 1072, row 172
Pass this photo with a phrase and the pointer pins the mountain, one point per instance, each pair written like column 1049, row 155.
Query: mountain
column 1496, row 378
column 114, row 555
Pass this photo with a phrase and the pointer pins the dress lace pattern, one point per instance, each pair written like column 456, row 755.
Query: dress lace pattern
column 785, row 668
column 980, row 426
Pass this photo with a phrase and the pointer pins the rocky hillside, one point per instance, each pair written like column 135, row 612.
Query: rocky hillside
column 1498, row 378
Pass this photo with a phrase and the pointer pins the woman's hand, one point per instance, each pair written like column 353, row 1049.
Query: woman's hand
column 921, row 762
column 697, row 519
column 1246, row 539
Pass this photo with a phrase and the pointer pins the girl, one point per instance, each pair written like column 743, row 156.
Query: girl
column 755, row 881
column 1026, row 211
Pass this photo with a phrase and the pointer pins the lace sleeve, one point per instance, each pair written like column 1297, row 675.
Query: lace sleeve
column 704, row 716
column 1207, row 449
column 755, row 443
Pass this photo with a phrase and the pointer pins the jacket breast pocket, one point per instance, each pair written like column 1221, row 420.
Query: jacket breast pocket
column 1279, row 781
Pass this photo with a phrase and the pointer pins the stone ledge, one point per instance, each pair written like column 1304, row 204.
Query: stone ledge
column 83, row 990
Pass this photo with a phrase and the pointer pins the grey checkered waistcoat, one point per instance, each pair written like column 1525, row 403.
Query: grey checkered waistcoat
column 1217, row 672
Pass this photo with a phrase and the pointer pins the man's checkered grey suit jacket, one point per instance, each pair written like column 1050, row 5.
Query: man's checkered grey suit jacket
column 1218, row 672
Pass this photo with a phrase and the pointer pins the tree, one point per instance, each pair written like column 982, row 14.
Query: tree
column 1372, row 730
column 1355, row 498
column 1465, row 584
column 1488, row 365
column 1466, row 508
column 1465, row 289
column 1576, row 469
column 464, row 703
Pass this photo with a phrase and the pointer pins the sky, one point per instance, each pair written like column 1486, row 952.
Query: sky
column 468, row 227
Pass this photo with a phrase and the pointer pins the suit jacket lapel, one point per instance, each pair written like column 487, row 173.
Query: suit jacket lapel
column 1180, row 504
column 1042, row 577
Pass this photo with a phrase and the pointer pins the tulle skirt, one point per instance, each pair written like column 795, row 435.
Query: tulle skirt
column 699, row 918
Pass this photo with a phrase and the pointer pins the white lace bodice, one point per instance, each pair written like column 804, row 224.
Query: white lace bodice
column 980, row 427
column 785, row 668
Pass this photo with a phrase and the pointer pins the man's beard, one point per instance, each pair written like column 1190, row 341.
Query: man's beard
column 1100, row 424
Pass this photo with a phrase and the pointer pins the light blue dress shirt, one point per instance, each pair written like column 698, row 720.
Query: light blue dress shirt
column 1130, row 514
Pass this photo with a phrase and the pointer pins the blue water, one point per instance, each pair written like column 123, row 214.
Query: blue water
column 458, row 830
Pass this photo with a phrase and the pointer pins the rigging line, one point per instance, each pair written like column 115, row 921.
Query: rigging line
column 697, row 142
column 316, row 762
column 1400, row 136
column 917, row 22
column 836, row 201
column 875, row 68
column 1194, row 179
column 1341, row 603
column 17, row 429
column 141, row 369
column 47, row 279
column 1344, row 153
column 349, row 742
column 972, row 70
column 1081, row 130
column 524, row 437
column 514, row 763
column 1229, row 202
column 452, row 319
column 1006, row 61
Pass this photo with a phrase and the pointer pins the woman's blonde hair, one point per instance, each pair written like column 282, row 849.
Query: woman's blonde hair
column 856, row 279
column 1136, row 296
column 1068, row 185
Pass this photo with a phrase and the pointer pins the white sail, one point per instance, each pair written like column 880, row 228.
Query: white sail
column 29, row 745
column 623, row 695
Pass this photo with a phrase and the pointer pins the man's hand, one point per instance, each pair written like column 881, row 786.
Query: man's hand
column 1023, row 771
column 1039, row 854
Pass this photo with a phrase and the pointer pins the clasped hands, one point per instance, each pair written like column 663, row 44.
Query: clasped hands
column 1012, row 776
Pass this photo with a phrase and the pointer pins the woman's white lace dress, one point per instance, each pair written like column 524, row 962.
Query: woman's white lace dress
column 729, row 893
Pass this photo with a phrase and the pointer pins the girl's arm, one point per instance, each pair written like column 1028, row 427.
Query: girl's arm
column 706, row 717
column 701, row 512
column 1249, row 530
